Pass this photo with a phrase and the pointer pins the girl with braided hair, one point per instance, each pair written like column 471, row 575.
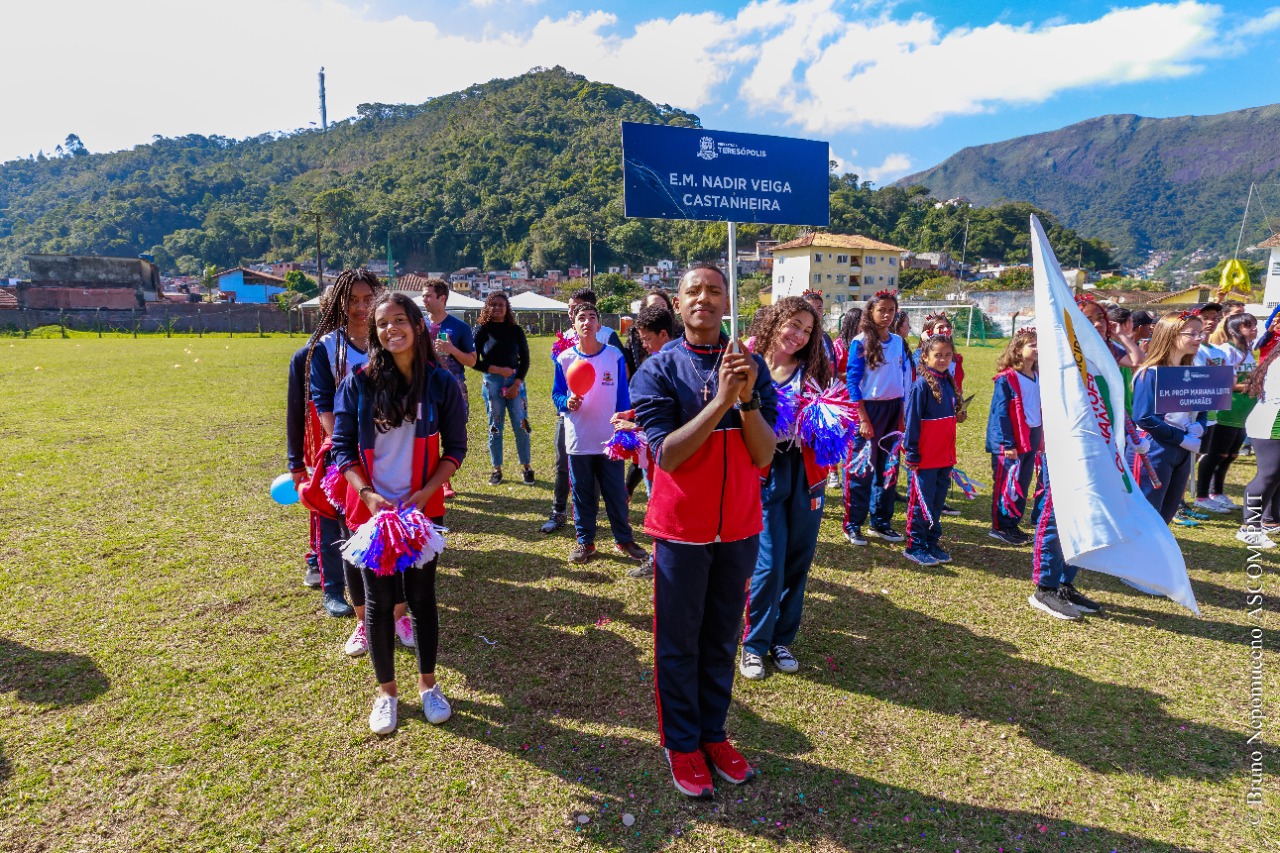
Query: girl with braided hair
column 877, row 379
column 340, row 344
column 791, row 495
column 930, row 450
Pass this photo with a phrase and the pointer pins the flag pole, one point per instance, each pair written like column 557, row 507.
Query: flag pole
column 733, row 285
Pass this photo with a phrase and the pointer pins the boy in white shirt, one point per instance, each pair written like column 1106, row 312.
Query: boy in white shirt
column 588, row 427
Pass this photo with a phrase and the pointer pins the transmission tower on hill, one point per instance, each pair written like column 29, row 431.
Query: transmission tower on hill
column 324, row 115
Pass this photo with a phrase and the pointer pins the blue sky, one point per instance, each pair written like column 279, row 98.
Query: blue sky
column 894, row 87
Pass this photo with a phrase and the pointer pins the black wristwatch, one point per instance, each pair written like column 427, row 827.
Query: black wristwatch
column 751, row 405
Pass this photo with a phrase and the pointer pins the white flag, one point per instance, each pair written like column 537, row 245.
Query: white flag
column 1104, row 522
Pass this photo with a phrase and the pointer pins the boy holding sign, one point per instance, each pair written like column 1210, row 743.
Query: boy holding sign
column 590, row 388
column 708, row 411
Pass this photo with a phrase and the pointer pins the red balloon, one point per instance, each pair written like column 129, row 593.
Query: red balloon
column 580, row 376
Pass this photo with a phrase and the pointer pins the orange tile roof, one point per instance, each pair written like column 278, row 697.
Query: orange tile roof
column 1272, row 242
column 838, row 241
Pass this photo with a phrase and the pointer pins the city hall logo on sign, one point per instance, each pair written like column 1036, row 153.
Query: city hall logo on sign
column 707, row 148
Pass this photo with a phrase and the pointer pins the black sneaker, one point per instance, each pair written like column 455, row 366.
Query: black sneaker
column 854, row 535
column 552, row 524
column 496, row 477
column 939, row 555
column 1054, row 602
column 631, row 551
column 582, row 553
column 1082, row 602
column 948, row 509
column 1008, row 538
column 527, row 475
column 888, row 534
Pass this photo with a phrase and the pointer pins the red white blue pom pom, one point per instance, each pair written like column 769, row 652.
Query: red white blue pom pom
column 563, row 342
column 788, row 411
column 827, row 421
column 329, row 485
column 1012, row 490
column 394, row 541
column 629, row 445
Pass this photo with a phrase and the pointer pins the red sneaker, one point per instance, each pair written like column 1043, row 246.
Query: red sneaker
column 728, row 762
column 689, row 772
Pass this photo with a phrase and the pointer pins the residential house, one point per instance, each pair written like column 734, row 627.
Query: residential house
column 846, row 268
column 250, row 287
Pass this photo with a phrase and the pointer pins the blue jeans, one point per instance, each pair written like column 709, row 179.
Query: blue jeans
column 593, row 474
column 1173, row 466
column 792, row 515
column 499, row 406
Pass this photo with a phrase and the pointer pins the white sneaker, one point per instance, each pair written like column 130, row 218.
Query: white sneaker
column 404, row 630
column 357, row 643
column 1225, row 502
column 1255, row 539
column 751, row 665
column 1210, row 505
column 434, row 706
column 382, row 720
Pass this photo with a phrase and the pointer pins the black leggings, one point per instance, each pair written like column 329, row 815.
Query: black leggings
column 419, row 587
column 1221, row 446
column 1262, row 495
column 355, row 582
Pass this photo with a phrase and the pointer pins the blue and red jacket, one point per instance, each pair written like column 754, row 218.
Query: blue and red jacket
column 440, row 432
column 714, row 496
column 299, row 409
column 930, row 440
column 815, row 474
column 1007, row 419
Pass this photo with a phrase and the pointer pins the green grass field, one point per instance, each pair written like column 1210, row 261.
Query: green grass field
column 167, row 683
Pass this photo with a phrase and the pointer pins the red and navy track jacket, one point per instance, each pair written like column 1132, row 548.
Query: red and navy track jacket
column 930, row 440
column 715, row 495
column 440, row 432
column 298, row 409
column 1007, row 420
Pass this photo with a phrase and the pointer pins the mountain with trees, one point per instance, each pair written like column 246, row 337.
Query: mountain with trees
column 1140, row 184
column 515, row 169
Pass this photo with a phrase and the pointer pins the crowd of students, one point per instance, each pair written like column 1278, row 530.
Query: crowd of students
column 378, row 397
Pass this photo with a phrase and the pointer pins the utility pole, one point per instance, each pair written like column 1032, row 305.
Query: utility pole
column 964, row 251
column 592, row 236
column 391, row 267
column 319, row 262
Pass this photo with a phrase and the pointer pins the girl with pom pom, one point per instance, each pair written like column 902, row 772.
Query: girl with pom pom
column 791, row 494
column 877, row 378
column 930, row 450
column 400, row 432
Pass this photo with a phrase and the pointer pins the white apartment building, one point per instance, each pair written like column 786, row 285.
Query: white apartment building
column 847, row 268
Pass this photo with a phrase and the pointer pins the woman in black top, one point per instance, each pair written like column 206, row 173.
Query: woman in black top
column 502, row 355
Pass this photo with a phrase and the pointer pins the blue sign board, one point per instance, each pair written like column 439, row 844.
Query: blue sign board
column 691, row 173
column 1193, row 389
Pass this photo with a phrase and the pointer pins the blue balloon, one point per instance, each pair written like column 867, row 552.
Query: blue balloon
column 282, row 490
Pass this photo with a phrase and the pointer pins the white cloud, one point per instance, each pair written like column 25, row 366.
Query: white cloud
column 841, row 165
column 894, row 167
column 126, row 70
column 908, row 73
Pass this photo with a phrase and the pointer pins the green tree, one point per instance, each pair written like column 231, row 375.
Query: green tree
column 299, row 282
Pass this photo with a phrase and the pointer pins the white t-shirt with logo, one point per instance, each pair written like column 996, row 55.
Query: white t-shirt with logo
column 587, row 430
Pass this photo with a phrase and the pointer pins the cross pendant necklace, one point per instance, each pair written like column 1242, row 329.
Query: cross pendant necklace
column 706, row 383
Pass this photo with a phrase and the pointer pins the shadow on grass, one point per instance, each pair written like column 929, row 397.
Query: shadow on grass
column 52, row 679
column 918, row 661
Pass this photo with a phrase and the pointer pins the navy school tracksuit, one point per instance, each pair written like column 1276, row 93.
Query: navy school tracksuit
column 705, row 518
column 930, row 444
column 1049, row 567
column 791, row 495
column 1008, row 429
column 881, row 391
column 1172, row 462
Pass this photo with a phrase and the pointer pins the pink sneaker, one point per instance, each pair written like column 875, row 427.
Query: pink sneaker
column 357, row 643
column 404, row 630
